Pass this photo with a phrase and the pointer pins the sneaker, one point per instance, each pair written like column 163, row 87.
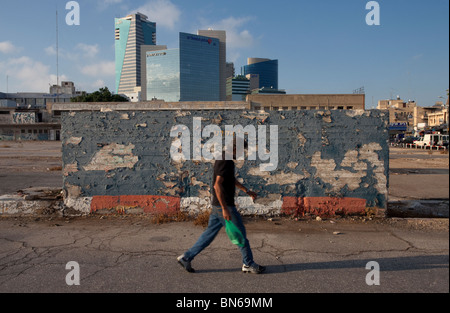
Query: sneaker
column 185, row 264
column 253, row 269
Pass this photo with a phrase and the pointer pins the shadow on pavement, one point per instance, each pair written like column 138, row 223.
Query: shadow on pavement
column 386, row 264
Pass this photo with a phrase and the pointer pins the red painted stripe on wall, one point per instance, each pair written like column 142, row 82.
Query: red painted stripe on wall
column 323, row 206
column 148, row 204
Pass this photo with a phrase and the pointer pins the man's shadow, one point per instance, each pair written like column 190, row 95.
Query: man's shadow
column 423, row 262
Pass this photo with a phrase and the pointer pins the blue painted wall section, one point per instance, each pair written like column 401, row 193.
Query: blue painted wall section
column 322, row 155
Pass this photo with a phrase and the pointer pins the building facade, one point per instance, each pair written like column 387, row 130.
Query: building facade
column 277, row 102
column 266, row 69
column 237, row 88
column 163, row 75
column 131, row 32
column 222, row 36
column 416, row 120
column 190, row 73
column 38, row 100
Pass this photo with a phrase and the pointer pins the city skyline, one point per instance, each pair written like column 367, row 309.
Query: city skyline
column 322, row 46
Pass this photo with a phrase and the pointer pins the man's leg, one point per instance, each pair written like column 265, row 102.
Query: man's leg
column 246, row 251
column 247, row 256
column 206, row 238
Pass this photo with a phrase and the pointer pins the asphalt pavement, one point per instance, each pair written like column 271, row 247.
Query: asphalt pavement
column 131, row 254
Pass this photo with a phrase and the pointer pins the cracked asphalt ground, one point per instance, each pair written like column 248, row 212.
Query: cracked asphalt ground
column 130, row 254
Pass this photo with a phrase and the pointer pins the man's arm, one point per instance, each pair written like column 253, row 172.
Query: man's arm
column 250, row 193
column 220, row 193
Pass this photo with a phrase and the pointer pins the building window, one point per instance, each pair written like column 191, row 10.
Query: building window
column 340, row 108
column 349, row 108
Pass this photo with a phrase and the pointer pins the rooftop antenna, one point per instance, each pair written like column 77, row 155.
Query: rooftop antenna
column 57, row 49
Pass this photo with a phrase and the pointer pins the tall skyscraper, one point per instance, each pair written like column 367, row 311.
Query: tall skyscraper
column 222, row 36
column 266, row 69
column 132, row 32
column 190, row 73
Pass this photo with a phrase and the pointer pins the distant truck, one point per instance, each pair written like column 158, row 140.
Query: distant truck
column 430, row 140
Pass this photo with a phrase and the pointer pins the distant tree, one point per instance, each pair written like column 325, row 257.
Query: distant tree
column 102, row 95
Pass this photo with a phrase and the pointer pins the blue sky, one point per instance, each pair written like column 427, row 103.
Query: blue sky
column 323, row 46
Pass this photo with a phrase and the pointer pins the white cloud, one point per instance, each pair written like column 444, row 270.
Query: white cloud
column 7, row 47
column 104, row 4
column 89, row 51
column 417, row 57
column 28, row 75
column 80, row 50
column 109, row 2
column 236, row 36
column 104, row 68
column 163, row 12
column 51, row 50
column 99, row 83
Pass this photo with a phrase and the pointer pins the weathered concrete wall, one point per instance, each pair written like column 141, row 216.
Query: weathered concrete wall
column 330, row 162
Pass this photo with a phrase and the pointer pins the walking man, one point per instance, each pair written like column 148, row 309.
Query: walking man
column 224, row 208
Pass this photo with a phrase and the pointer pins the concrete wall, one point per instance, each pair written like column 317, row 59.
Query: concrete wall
column 330, row 162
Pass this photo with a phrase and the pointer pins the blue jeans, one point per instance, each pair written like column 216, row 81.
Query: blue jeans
column 216, row 222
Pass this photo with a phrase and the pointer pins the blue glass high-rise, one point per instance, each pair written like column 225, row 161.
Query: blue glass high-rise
column 266, row 69
column 190, row 73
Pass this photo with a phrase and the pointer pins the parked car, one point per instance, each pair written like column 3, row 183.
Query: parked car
column 430, row 140
column 409, row 139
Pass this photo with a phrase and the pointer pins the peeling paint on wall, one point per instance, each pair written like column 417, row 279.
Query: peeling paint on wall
column 74, row 141
column 111, row 157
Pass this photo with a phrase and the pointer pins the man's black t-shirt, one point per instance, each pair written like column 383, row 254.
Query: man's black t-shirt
column 225, row 169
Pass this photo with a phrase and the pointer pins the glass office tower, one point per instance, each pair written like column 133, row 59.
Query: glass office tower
column 222, row 36
column 190, row 73
column 199, row 68
column 131, row 33
column 266, row 69
column 163, row 75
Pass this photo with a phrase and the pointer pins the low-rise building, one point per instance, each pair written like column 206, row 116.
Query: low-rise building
column 270, row 102
column 24, row 115
column 407, row 118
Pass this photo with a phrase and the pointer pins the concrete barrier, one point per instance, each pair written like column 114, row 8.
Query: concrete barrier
column 329, row 162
